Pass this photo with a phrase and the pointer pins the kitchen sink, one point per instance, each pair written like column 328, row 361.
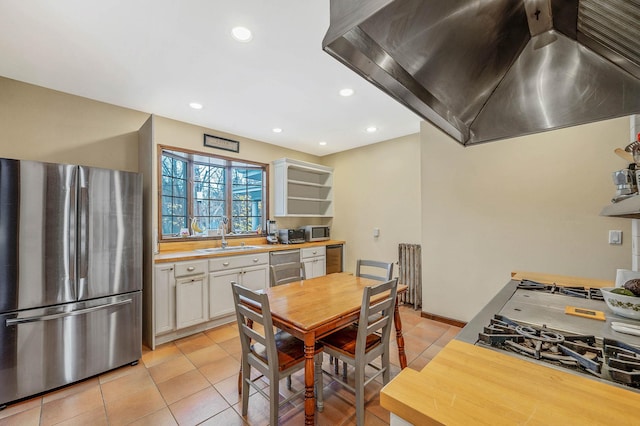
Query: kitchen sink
column 228, row 249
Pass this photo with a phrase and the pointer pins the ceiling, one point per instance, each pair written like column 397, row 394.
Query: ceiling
column 157, row 56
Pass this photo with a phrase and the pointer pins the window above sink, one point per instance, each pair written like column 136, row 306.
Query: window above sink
column 199, row 189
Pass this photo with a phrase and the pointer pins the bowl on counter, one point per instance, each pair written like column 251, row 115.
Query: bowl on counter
column 625, row 306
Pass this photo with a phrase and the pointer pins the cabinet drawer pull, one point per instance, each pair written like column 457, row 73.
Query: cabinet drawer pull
column 225, row 263
column 255, row 260
column 315, row 252
column 191, row 268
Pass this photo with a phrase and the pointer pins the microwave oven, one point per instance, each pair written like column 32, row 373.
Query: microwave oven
column 291, row 236
column 316, row 233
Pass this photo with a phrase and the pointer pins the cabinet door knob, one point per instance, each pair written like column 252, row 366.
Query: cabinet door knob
column 225, row 263
column 191, row 268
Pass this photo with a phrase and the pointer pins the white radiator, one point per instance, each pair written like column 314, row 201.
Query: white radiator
column 410, row 273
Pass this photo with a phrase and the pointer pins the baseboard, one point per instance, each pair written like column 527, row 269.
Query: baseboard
column 194, row 329
column 442, row 319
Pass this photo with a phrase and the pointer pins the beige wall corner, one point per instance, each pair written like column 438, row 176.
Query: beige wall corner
column 530, row 203
column 376, row 186
column 45, row 125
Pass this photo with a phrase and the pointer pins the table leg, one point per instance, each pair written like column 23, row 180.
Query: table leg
column 398, row 324
column 309, row 374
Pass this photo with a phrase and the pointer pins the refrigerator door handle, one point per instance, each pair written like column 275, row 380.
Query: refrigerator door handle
column 83, row 239
column 16, row 321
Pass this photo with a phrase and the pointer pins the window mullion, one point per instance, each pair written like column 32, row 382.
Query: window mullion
column 229, row 194
column 190, row 195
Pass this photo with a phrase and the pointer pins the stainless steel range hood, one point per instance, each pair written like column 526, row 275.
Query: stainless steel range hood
column 483, row 70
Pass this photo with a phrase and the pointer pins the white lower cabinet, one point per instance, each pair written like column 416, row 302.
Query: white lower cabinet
column 220, row 296
column 191, row 293
column 255, row 277
column 164, row 298
column 250, row 271
column 191, row 301
column 315, row 261
column 180, row 295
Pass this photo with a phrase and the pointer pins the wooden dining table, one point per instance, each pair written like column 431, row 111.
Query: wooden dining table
column 313, row 308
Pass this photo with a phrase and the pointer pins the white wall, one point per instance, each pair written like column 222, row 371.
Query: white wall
column 530, row 203
column 376, row 186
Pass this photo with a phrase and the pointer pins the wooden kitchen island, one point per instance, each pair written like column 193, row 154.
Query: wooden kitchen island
column 472, row 385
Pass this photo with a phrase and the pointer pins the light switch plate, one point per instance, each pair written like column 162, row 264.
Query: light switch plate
column 615, row 237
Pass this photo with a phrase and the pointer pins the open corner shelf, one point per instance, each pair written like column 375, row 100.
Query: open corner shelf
column 303, row 189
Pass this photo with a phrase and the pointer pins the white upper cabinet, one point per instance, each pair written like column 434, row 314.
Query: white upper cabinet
column 303, row 189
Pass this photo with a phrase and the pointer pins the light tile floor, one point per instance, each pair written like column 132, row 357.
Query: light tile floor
column 194, row 381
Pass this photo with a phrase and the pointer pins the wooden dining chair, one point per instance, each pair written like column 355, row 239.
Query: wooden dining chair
column 366, row 268
column 358, row 345
column 274, row 354
column 372, row 269
column 287, row 272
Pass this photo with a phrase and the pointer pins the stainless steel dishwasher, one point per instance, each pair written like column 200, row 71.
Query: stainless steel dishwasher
column 280, row 257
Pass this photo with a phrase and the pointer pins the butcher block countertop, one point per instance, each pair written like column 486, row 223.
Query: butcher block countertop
column 187, row 250
column 565, row 281
column 472, row 385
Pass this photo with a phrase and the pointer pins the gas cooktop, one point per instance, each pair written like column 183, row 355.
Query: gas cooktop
column 533, row 324
column 607, row 359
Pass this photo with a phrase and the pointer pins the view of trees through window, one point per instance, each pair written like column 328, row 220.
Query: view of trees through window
column 207, row 188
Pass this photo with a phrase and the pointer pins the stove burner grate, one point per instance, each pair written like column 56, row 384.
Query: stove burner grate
column 544, row 344
column 542, row 335
column 623, row 361
column 612, row 360
column 581, row 292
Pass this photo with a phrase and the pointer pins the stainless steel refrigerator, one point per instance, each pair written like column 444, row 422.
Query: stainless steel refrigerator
column 70, row 274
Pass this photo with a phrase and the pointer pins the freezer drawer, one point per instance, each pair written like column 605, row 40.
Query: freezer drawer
column 46, row 348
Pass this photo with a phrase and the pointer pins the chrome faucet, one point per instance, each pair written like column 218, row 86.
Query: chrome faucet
column 223, row 225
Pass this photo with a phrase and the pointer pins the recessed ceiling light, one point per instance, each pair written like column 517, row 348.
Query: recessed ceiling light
column 277, row 130
column 241, row 34
column 195, row 105
column 372, row 129
column 346, row 92
column 323, row 143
